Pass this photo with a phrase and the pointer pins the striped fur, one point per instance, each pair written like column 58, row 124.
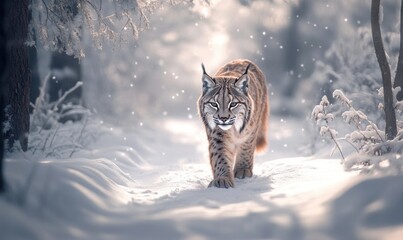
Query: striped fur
column 234, row 108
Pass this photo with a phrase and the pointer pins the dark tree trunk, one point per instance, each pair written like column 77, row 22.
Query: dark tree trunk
column 2, row 90
column 399, row 70
column 17, row 73
column 390, row 116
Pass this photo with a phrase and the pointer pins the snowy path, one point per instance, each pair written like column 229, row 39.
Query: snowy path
column 154, row 187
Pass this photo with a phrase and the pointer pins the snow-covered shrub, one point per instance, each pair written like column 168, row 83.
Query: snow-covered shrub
column 372, row 152
column 351, row 65
column 322, row 117
column 49, row 135
column 46, row 114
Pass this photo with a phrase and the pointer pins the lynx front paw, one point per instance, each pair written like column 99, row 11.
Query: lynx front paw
column 243, row 173
column 222, row 182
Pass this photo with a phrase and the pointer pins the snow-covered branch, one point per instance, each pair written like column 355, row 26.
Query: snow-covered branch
column 60, row 24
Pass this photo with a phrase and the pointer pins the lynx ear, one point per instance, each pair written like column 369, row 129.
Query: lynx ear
column 208, row 82
column 242, row 83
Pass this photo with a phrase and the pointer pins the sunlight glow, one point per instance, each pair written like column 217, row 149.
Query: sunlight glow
column 219, row 39
column 205, row 12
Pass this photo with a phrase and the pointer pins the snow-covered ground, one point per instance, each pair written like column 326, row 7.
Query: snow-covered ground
column 144, row 183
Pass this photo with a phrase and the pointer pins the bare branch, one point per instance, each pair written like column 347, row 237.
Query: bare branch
column 78, row 84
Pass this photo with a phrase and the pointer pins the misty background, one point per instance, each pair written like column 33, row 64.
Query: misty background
column 305, row 48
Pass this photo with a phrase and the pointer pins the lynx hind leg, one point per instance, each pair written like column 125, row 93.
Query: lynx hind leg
column 244, row 162
column 243, row 173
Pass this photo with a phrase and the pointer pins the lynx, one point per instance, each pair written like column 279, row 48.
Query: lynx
column 234, row 107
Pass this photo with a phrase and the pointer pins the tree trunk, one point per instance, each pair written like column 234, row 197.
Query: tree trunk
column 2, row 90
column 390, row 116
column 17, row 74
column 399, row 70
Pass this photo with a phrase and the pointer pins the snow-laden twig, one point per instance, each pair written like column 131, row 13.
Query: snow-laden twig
column 323, row 119
column 339, row 95
column 353, row 115
column 37, row 114
column 62, row 98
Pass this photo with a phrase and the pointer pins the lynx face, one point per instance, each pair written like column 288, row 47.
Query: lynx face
column 225, row 102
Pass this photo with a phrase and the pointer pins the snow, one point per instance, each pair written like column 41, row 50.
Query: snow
column 148, row 179
column 148, row 183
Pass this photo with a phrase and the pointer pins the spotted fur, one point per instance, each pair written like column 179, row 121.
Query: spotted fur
column 234, row 108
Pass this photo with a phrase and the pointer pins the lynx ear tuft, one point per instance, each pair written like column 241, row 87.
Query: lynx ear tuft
column 204, row 70
column 208, row 82
column 247, row 68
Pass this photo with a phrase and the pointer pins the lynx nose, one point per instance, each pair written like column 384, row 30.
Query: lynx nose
column 223, row 120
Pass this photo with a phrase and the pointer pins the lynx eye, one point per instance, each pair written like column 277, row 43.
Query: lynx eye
column 233, row 104
column 213, row 105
